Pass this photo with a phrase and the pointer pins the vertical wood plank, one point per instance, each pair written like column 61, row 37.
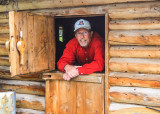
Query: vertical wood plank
column 40, row 43
column 30, row 42
column 22, row 25
column 106, row 91
column 67, row 97
column 13, row 41
column 94, row 98
column 52, row 97
column 81, row 98
column 51, row 43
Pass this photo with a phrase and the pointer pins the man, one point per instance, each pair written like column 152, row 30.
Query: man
column 87, row 48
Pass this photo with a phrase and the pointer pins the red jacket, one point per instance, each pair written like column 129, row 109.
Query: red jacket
column 92, row 57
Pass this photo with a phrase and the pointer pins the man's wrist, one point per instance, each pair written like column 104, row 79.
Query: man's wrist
column 65, row 67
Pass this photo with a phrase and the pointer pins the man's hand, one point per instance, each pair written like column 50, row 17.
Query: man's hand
column 66, row 77
column 71, row 71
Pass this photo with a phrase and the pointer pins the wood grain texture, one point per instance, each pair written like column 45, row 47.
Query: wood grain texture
column 30, row 102
column 68, row 97
column 5, row 74
column 92, row 78
column 136, row 37
column 136, row 76
column 134, row 24
column 28, row 111
column 135, row 12
column 4, row 28
column 3, row 51
column 107, row 57
column 135, row 51
column 135, row 95
column 23, row 87
column 133, row 83
column 134, row 65
column 4, row 21
column 4, row 38
column 36, row 38
column 119, row 108
column 58, row 4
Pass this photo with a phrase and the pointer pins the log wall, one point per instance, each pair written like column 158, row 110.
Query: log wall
column 134, row 51
column 30, row 90
column 134, row 61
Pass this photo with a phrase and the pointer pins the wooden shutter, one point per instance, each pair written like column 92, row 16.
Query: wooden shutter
column 39, row 38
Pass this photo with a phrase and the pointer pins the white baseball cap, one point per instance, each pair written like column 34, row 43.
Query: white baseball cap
column 82, row 24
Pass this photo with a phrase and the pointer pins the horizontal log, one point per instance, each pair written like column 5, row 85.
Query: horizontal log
column 135, row 51
column 134, row 12
column 134, row 95
column 4, row 28
column 3, row 51
column 94, row 78
column 95, row 10
column 4, row 62
column 28, row 111
column 5, row 74
column 4, row 20
column 4, row 15
column 136, row 76
column 151, row 66
column 29, row 4
column 133, row 82
column 134, row 24
column 136, row 110
column 117, row 106
column 4, row 38
column 23, row 87
column 136, row 37
column 30, row 102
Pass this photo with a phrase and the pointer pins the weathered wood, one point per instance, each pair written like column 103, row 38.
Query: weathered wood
column 35, row 51
column 4, row 20
column 134, row 24
column 4, row 15
column 28, row 111
column 30, row 102
column 133, row 82
column 3, row 51
column 142, row 96
column 4, row 38
column 24, row 5
column 135, row 51
column 136, row 76
column 107, row 57
column 121, row 108
column 117, row 106
column 4, row 28
column 93, row 78
column 24, row 87
column 4, row 74
column 4, row 62
column 135, row 12
column 70, row 97
column 136, row 37
column 151, row 66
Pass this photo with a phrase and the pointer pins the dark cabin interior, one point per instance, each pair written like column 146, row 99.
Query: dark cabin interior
column 97, row 24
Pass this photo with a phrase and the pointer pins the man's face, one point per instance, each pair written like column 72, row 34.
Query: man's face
column 83, row 36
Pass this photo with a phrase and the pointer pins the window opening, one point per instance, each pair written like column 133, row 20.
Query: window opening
column 64, row 30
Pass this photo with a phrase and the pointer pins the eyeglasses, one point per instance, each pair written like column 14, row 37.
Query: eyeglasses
column 82, row 33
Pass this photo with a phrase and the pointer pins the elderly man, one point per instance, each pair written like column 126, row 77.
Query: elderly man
column 87, row 48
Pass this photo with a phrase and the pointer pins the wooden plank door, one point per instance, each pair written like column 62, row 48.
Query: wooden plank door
column 79, row 96
column 38, row 43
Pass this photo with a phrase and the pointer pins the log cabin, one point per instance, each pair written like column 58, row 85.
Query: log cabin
column 130, row 83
